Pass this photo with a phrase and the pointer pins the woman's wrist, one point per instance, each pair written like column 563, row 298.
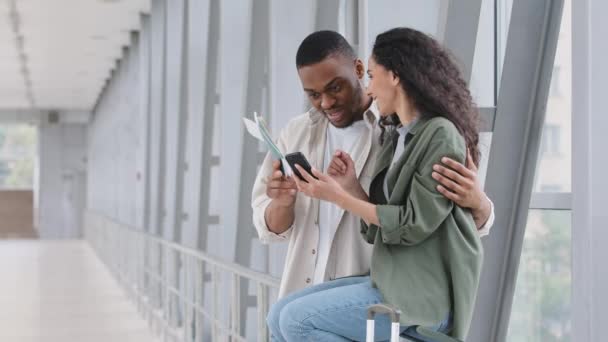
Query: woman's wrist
column 354, row 189
column 343, row 198
column 482, row 212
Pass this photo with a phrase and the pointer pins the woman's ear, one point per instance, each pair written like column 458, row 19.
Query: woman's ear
column 394, row 78
column 359, row 68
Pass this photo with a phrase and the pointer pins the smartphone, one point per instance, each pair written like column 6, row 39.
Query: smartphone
column 299, row 159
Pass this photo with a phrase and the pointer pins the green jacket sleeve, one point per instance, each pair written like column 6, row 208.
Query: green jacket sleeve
column 369, row 233
column 425, row 208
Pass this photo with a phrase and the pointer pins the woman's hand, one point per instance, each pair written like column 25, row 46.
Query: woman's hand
column 342, row 170
column 328, row 189
column 325, row 187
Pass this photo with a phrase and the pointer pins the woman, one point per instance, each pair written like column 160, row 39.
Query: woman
column 427, row 254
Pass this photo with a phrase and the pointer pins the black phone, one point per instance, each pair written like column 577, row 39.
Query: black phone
column 299, row 159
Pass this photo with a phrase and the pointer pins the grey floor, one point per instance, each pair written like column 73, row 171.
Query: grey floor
column 60, row 291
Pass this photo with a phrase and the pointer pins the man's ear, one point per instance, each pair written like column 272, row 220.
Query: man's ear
column 359, row 68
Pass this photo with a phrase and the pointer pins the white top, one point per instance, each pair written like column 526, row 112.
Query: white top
column 485, row 228
column 402, row 130
column 345, row 139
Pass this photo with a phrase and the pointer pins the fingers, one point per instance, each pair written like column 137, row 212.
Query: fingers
column 282, row 184
column 318, row 174
column 275, row 193
column 345, row 158
column 305, row 174
column 470, row 163
column 348, row 160
column 338, row 163
column 276, row 165
column 279, row 185
column 448, row 194
column 297, row 181
column 449, row 184
column 276, row 175
column 458, row 167
column 301, row 185
column 453, row 175
column 333, row 171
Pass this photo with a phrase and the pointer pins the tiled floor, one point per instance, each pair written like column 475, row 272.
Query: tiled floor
column 56, row 291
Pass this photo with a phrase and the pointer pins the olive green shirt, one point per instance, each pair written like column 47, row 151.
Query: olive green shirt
column 427, row 254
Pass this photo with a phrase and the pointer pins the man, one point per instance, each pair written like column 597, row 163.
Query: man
column 324, row 241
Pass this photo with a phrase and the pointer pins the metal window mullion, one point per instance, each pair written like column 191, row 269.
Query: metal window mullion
column 215, row 280
column 235, row 301
column 551, row 201
column 262, row 301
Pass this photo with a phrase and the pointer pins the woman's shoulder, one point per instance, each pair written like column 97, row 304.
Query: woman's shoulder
column 441, row 126
column 439, row 131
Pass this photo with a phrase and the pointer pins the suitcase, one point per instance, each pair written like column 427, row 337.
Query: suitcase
column 395, row 315
column 422, row 334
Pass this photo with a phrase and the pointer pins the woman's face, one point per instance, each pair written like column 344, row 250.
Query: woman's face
column 383, row 87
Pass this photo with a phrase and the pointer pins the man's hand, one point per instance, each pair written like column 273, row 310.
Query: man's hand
column 282, row 190
column 279, row 215
column 460, row 184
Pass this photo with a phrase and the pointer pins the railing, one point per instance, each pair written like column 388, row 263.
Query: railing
column 169, row 284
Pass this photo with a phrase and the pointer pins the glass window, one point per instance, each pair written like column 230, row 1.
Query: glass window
column 17, row 156
column 541, row 306
column 483, row 82
column 555, row 154
column 503, row 18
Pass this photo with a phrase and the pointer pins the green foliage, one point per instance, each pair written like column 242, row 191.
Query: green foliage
column 17, row 153
column 541, row 306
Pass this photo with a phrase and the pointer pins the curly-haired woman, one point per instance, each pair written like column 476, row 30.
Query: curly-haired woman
column 427, row 254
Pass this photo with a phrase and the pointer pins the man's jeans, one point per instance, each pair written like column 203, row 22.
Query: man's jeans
column 331, row 311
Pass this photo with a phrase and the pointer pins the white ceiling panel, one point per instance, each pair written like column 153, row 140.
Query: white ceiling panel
column 67, row 49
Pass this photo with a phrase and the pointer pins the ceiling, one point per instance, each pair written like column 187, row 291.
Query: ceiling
column 57, row 54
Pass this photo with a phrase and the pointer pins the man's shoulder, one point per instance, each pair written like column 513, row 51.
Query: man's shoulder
column 299, row 122
column 297, row 126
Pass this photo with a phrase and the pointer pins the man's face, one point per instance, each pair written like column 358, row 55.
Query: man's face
column 333, row 88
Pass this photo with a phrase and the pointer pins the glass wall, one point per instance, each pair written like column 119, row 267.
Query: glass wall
column 541, row 306
column 17, row 156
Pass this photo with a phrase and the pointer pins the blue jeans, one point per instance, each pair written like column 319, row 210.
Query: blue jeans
column 332, row 311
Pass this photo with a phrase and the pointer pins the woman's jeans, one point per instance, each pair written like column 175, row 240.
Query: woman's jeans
column 331, row 311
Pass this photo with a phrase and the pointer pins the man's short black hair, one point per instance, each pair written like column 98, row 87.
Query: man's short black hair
column 320, row 45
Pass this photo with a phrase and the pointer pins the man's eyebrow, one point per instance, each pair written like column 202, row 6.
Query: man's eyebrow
column 331, row 82
column 324, row 87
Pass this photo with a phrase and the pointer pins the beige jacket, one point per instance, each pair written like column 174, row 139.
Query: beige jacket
column 349, row 254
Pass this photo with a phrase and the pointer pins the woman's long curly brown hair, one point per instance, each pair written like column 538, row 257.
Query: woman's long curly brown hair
column 431, row 79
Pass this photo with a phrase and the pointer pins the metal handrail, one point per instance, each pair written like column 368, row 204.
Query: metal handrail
column 166, row 281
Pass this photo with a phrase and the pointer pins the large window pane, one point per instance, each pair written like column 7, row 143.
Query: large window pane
column 541, row 306
column 482, row 75
column 555, row 155
column 503, row 18
column 17, row 156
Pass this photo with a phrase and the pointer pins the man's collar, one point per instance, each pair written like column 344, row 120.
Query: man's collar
column 370, row 115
